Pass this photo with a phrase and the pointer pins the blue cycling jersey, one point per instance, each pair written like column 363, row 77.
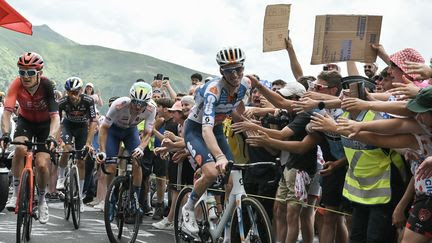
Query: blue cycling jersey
column 213, row 103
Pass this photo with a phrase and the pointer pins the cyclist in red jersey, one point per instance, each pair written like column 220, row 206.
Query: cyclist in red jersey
column 37, row 117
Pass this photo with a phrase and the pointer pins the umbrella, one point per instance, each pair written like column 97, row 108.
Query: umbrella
column 11, row 19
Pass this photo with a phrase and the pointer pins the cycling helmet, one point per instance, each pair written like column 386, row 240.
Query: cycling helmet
column 141, row 91
column 230, row 55
column 30, row 60
column 73, row 84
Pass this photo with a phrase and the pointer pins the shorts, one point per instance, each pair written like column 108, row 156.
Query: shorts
column 197, row 147
column 146, row 162
column 160, row 166
column 332, row 186
column 129, row 137
column 286, row 189
column 78, row 131
column 38, row 130
column 180, row 174
column 420, row 216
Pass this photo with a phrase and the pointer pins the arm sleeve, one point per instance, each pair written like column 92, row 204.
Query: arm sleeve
column 11, row 96
column 109, row 118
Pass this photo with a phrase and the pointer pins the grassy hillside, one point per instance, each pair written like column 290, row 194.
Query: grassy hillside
column 112, row 71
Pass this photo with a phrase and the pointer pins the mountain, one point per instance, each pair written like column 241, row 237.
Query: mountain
column 112, row 71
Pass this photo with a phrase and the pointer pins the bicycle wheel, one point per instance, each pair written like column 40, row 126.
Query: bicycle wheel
column 119, row 209
column 23, row 217
column 66, row 201
column 74, row 197
column 256, row 223
column 200, row 216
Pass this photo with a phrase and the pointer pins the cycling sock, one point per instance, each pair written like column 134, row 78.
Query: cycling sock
column 42, row 192
column 16, row 181
column 81, row 184
column 61, row 172
column 137, row 190
column 193, row 198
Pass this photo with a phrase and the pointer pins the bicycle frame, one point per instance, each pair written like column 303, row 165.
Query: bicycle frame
column 27, row 167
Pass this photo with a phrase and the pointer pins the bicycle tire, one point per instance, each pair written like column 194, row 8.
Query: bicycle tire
column 4, row 190
column 252, row 207
column 74, row 197
column 116, row 210
column 66, row 204
column 201, row 216
column 23, row 216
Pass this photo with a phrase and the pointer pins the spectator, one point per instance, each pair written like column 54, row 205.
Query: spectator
column 89, row 90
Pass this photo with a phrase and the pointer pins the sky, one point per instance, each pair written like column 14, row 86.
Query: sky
column 189, row 33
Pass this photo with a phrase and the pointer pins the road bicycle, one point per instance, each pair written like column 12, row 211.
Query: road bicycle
column 121, row 204
column 72, row 200
column 243, row 216
column 26, row 207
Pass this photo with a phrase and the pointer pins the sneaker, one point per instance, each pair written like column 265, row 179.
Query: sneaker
column 158, row 213
column 100, row 205
column 60, row 183
column 189, row 222
column 147, row 210
column 81, row 206
column 11, row 203
column 164, row 224
column 94, row 202
column 87, row 199
column 43, row 213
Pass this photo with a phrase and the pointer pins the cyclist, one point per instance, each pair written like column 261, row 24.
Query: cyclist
column 80, row 123
column 204, row 135
column 120, row 125
column 37, row 117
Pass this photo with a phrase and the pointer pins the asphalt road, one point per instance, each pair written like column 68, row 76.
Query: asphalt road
column 92, row 228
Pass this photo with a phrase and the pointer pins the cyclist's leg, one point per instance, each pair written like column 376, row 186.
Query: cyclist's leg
column 112, row 149
column 80, row 134
column 66, row 136
column 132, row 141
column 22, row 133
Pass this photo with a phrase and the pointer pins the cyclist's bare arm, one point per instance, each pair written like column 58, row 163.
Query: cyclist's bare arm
column 91, row 133
column 210, row 140
column 146, row 138
column 54, row 125
column 5, row 122
column 103, row 133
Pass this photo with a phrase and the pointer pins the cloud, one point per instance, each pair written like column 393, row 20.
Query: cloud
column 189, row 33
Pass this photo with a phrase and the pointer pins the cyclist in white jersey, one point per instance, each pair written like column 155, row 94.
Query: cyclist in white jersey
column 204, row 136
column 120, row 125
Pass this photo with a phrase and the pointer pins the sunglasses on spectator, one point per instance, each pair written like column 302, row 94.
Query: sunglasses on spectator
column 75, row 92
column 330, row 67
column 140, row 103
column 28, row 72
column 231, row 70
column 316, row 86
column 367, row 66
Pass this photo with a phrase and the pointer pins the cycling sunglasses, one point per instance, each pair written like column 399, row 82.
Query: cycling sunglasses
column 140, row 103
column 75, row 92
column 228, row 71
column 316, row 86
column 28, row 72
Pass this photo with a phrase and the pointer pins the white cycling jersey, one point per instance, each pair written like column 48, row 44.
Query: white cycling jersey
column 213, row 103
column 119, row 114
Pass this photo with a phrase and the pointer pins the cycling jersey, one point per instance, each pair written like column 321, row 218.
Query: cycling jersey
column 33, row 108
column 82, row 112
column 119, row 114
column 213, row 103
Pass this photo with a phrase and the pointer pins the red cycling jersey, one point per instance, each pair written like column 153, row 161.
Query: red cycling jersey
column 33, row 108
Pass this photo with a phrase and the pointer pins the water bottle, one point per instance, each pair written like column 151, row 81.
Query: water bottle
column 211, row 207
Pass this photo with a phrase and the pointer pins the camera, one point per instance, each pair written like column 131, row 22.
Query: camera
column 158, row 76
column 165, row 78
column 281, row 120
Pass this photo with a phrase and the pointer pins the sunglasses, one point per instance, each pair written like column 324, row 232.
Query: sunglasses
column 228, row 71
column 28, row 72
column 140, row 103
column 330, row 67
column 316, row 86
column 367, row 66
column 75, row 92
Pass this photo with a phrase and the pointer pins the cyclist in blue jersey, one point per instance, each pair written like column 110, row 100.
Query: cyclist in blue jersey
column 214, row 101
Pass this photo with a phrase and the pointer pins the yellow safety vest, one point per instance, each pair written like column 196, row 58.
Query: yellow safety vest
column 367, row 180
column 140, row 128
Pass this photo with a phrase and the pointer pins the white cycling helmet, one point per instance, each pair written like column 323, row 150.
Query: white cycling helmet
column 73, row 84
column 141, row 91
column 230, row 55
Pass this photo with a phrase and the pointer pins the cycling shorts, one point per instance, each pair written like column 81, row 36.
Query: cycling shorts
column 74, row 130
column 197, row 147
column 38, row 130
column 129, row 137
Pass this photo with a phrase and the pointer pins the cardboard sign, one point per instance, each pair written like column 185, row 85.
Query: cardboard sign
column 341, row 38
column 275, row 27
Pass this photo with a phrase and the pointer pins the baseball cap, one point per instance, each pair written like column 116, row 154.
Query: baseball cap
column 422, row 102
column 188, row 99
column 90, row 84
column 176, row 107
column 292, row 88
column 408, row 54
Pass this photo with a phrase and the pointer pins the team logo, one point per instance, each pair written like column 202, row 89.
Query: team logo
column 424, row 214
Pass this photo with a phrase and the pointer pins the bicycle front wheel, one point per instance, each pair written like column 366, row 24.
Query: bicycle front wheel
column 201, row 217
column 120, row 215
column 74, row 197
column 24, row 217
column 256, row 226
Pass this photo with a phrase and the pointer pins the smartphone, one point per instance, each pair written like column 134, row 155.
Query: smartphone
column 357, row 90
column 166, row 78
column 159, row 76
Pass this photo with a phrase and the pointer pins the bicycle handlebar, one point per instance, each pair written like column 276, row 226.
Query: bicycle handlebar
column 102, row 166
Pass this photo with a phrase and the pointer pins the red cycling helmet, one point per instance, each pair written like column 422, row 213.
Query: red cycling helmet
column 30, row 60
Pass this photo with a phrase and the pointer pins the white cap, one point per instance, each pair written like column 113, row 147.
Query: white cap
column 90, row 84
column 292, row 88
